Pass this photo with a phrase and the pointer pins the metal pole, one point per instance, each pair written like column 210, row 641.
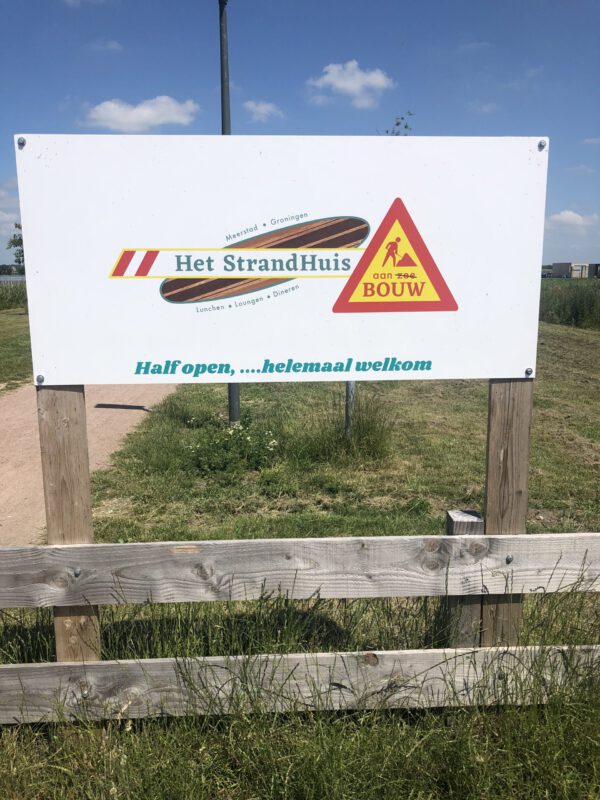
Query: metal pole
column 233, row 389
column 350, row 401
column 225, row 107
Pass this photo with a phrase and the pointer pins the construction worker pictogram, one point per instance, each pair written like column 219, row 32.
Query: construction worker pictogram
column 396, row 272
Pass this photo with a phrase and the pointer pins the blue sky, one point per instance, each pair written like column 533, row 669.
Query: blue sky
column 462, row 67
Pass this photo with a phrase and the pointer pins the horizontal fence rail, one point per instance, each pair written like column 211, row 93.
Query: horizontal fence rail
column 272, row 683
column 386, row 566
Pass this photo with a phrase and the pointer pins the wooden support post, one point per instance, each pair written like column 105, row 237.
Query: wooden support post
column 464, row 612
column 66, row 474
column 508, row 445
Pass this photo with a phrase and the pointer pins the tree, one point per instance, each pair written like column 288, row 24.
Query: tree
column 401, row 126
column 16, row 243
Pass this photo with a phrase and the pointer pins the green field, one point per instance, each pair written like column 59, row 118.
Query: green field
column 419, row 450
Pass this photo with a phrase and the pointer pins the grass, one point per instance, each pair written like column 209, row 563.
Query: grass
column 532, row 752
column 419, row 450
column 15, row 351
column 13, row 294
column 524, row 754
column 571, row 302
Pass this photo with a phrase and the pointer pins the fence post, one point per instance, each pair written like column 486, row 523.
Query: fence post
column 464, row 612
column 66, row 474
column 508, row 444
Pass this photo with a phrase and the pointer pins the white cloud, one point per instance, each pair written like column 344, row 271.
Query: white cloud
column 472, row 47
column 363, row 87
column 107, row 46
column 574, row 220
column 482, row 108
column 594, row 140
column 320, row 99
column 117, row 115
column 571, row 236
column 582, row 169
column 261, row 111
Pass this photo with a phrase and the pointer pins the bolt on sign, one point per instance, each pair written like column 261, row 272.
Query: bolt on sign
column 195, row 259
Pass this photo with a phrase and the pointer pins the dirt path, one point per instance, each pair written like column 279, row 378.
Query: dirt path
column 111, row 412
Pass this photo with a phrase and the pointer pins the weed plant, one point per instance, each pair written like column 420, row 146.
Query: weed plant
column 189, row 439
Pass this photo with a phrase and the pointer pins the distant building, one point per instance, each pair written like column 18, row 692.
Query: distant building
column 561, row 269
column 577, row 270
column 584, row 270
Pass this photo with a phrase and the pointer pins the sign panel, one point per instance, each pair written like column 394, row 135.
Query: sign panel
column 166, row 259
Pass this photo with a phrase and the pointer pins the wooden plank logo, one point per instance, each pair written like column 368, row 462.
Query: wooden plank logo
column 396, row 272
column 328, row 234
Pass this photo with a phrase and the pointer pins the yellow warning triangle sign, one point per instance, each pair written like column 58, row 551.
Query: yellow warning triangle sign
column 396, row 272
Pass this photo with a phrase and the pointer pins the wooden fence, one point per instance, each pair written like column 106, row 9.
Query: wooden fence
column 471, row 566
column 482, row 576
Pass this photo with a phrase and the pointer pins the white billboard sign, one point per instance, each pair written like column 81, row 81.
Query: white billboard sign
column 165, row 259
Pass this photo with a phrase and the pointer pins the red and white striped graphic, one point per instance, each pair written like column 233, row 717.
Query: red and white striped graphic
column 134, row 264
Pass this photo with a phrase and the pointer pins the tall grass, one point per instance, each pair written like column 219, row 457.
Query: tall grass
column 319, row 436
column 571, row 302
column 13, row 294
column 534, row 752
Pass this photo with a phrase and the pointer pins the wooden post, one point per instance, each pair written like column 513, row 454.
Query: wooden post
column 466, row 628
column 66, row 474
column 508, row 444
